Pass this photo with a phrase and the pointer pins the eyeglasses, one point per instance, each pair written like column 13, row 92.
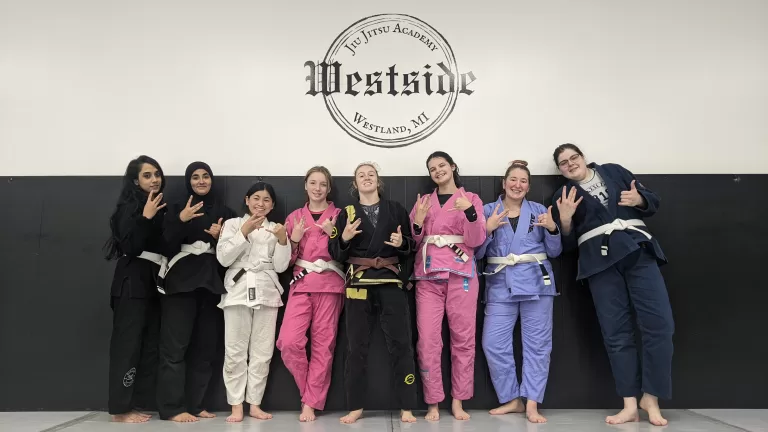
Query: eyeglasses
column 563, row 163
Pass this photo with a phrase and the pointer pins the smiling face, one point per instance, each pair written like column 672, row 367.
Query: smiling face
column 200, row 182
column 572, row 165
column 317, row 187
column 150, row 178
column 516, row 184
column 440, row 171
column 366, row 179
column 260, row 203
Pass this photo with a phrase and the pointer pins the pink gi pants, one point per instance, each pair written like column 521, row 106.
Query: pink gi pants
column 458, row 298
column 313, row 376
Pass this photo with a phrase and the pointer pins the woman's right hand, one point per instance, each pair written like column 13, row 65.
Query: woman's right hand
column 496, row 219
column 153, row 205
column 253, row 223
column 299, row 228
column 566, row 205
column 422, row 208
column 350, row 230
column 190, row 210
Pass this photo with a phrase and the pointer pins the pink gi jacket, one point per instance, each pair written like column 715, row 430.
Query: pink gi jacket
column 314, row 246
column 440, row 261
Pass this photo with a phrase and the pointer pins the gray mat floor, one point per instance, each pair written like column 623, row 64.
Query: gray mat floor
column 559, row 420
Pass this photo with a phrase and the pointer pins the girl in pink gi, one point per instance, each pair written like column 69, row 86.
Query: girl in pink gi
column 447, row 225
column 315, row 294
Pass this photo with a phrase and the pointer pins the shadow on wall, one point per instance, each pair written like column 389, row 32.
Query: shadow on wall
column 55, row 320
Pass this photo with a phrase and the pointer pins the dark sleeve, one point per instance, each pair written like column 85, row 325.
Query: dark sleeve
column 651, row 200
column 471, row 214
column 409, row 244
column 338, row 248
column 133, row 231
column 173, row 229
column 569, row 241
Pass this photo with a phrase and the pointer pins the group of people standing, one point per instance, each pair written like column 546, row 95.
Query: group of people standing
column 180, row 265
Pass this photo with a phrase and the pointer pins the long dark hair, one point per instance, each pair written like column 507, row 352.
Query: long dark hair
column 132, row 199
column 449, row 159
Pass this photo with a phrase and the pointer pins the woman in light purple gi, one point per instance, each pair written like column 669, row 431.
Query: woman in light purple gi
column 519, row 282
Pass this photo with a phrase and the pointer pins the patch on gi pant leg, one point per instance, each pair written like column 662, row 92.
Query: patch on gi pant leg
column 129, row 377
column 409, row 379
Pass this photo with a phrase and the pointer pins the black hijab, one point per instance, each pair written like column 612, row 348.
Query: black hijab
column 210, row 198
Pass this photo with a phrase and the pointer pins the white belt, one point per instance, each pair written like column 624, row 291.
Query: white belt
column 607, row 229
column 250, row 270
column 513, row 259
column 197, row 248
column 318, row 266
column 443, row 241
column 157, row 259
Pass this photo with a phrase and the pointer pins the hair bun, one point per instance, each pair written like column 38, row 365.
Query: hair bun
column 519, row 162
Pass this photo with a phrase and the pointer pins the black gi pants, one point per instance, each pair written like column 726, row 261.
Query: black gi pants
column 189, row 336
column 390, row 303
column 133, row 353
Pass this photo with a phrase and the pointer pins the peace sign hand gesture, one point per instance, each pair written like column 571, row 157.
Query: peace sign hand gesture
column 327, row 225
column 215, row 229
column 422, row 208
column 299, row 228
column 462, row 203
column 189, row 212
column 567, row 205
column 632, row 197
column 546, row 220
column 496, row 219
column 351, row 230
column 151, row 207
column 396, row 239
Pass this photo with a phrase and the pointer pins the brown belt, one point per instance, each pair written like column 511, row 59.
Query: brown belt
column 377, row 263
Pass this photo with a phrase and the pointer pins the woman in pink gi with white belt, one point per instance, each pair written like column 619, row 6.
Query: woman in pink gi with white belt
column 315, row 294
column 447, row 226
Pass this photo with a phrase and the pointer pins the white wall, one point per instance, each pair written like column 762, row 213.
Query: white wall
column 661, row 86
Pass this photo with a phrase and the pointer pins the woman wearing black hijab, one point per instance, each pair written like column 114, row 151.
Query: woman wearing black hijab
column 191, row 321
column 136, row 242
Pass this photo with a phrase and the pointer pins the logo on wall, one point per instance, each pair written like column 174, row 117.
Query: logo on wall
column 389, row 80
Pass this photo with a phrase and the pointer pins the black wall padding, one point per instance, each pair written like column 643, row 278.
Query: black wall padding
column 55, row 318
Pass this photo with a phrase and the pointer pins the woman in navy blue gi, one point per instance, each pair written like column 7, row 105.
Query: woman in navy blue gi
column 620, row 258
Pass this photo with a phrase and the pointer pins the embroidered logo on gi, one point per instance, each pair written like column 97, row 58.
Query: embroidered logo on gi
column 413, row 59
column 334, row 232
column 531, row 226
column 409, row 379
column 129, row 377
column 350, row 212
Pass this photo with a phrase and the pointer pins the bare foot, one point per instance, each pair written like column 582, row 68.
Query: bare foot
column 532, row 412
column 141, row 414
column 650, row 404
column 237, row 414
column 206, row 414
column 407, row 416
column 458, row 410
column 433, row 412
column 513, row 406
column 307, row 413
column 627, row 415
column 129, row 418
column 256, row 412
column 184, row 418
column 352, row 417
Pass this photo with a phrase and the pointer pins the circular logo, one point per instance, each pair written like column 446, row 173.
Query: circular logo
column 129, row 377
column 409, row 379
column 389, row 80
column 334, row 232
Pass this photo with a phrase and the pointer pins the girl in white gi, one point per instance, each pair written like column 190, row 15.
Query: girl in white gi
column 255, row 250
column 519, row 283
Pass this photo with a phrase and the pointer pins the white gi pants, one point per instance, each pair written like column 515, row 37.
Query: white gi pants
column 249, row 340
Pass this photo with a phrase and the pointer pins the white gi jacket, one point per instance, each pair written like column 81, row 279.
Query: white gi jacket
column 257, row 259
